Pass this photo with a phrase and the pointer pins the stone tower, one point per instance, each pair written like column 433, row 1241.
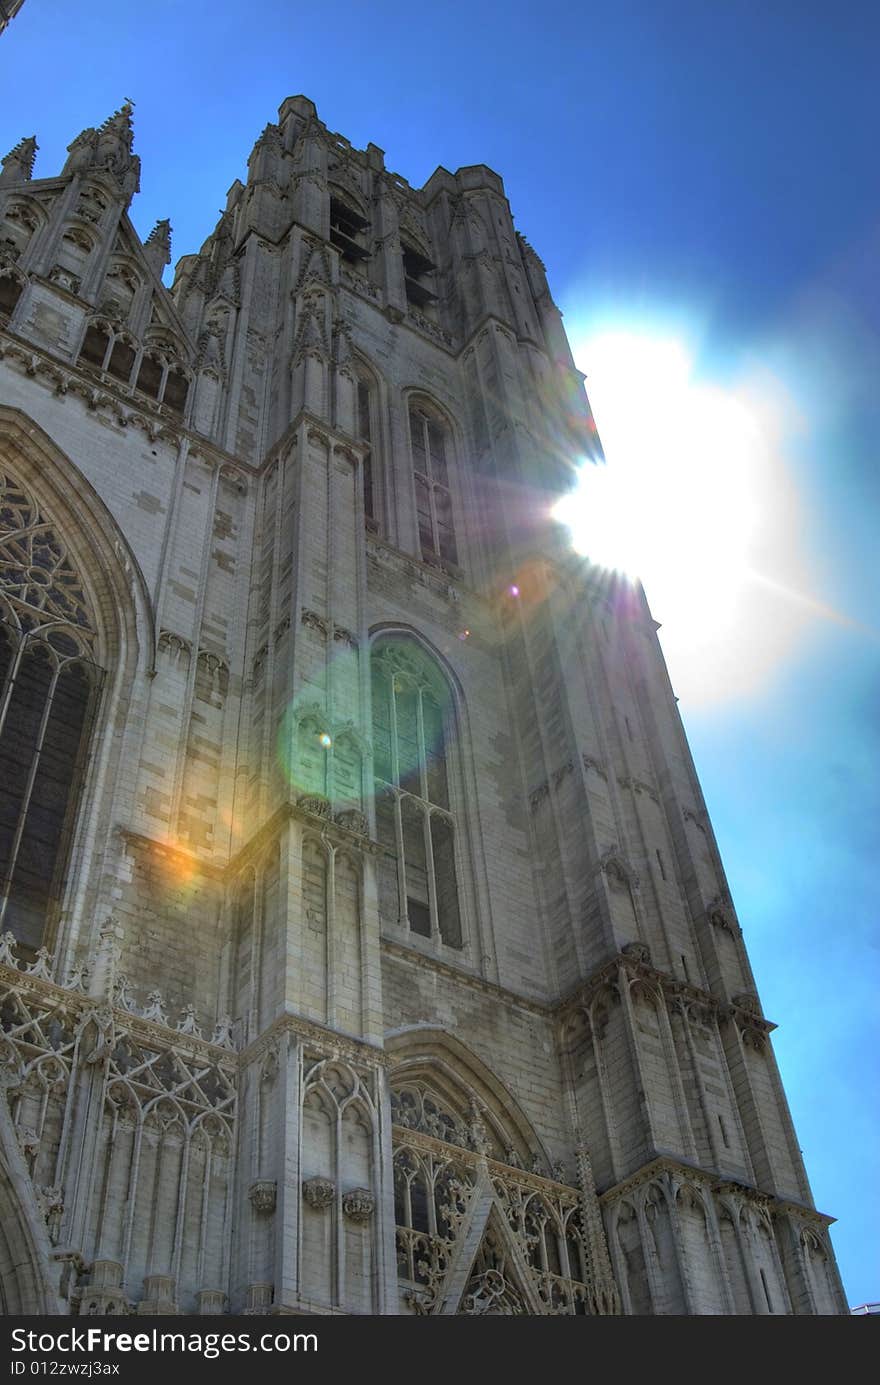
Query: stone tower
column 365, row 943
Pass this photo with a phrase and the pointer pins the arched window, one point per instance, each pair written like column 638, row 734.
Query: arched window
column 48, row 689
column 149, row 379
column 96, row 344
column 429, row 436
column 122, row 357
column 414, row 742
column 349, row 231
column 159, row 375
column 176, row 389
column 11, row 286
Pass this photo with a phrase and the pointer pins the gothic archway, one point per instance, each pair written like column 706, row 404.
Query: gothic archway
column 76, row 624
column 484, row 1224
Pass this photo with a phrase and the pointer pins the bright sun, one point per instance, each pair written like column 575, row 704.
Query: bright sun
column 695, row 501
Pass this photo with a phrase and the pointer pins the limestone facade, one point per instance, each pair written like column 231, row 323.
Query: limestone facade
column 366, row 946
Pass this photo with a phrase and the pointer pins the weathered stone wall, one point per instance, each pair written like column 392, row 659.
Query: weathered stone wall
column 289, row 1087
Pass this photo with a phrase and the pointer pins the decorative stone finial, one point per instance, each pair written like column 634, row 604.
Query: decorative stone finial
column 104, row 964
column 604, row 1296
column 478, row 1133
column 120, row 121
column 157, row 246
column 108, row 149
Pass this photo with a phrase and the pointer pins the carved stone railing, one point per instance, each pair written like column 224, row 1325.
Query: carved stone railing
column 63, row 1051
column 544, row 1216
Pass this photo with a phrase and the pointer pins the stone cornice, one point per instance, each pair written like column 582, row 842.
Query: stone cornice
column 532, row 1182
column 676, row 991
column 438, row 579
column 338, row 833
column 742, row 1009
column 329, row 433
column 424, row 961
column 329, row 1041
column 713, row 1182
column 175, row 852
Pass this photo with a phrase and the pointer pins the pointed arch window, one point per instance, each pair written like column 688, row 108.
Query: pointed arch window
column 349, row 232
column 429, row 436
column 414, row 747
column 151, row 370
column 49, row 684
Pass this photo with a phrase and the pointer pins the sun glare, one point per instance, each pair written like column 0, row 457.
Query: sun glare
column 694, row 500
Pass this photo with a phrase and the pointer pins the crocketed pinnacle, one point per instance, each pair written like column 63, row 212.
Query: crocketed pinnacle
column 158, row 244
column 21, row 158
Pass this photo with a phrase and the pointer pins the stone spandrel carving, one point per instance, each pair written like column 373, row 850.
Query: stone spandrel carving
column 414, row 1108
column 489, row 1290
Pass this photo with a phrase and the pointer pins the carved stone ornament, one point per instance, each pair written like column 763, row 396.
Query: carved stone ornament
column 746, row 1001
column 261, row 1195
column 358, row 1204
column 638, row 951
column 318, row 1192
column 354, row 820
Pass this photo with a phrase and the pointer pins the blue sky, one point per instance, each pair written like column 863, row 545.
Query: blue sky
column 708, row 167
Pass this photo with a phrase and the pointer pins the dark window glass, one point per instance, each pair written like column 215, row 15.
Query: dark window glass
column 149, row 377
column 94, row 347
column 10, row 292
column 41, row 744
column 448, row 918
column 433, row 500
column 176, row 391
column 419, row 917
column 418, row 1201
column 121, row 360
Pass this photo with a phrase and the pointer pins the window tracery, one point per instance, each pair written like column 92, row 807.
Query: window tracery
column 48, row 687
column 530, row 1257
column 431, row 1198
column 491, row 1289
column 413, row 737
column 429, row 438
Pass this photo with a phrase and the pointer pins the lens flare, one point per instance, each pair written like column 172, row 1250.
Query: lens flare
column 695, row 500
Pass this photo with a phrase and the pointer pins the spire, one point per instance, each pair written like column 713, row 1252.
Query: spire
column 18, row 166
column 605, row 1299
column 120, row 121
column 108, row 149
column 157, row 246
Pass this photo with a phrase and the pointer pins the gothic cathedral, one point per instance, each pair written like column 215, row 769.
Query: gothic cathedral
column 365, row 943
